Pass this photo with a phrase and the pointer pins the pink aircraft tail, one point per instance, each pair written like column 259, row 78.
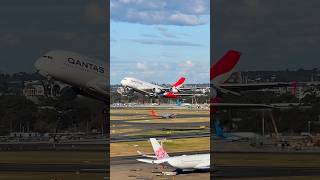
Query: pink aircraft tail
column 158, row 149
column 221, row 71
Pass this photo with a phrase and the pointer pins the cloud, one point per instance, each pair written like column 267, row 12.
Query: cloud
column 187, row 63
column 9, row 39
column 70, row 35
column 142, row 66
column 149, row 35
column 164, row 12
column 272, row 35
column 166, row 42
column 165, row 32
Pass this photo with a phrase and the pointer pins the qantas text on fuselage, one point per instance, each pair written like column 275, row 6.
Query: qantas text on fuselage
column 77, row 72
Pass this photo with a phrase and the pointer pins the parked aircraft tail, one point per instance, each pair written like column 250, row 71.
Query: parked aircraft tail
column 178, row 102
column 218, row 129
column 154, row 113
column 158, row 149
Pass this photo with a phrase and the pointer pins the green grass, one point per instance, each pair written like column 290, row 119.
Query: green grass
column 174, row 145
column 166, row 132
column 53, row 157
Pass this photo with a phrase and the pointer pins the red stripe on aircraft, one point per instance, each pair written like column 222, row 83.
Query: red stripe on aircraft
column 225, row 64
column 179, row 82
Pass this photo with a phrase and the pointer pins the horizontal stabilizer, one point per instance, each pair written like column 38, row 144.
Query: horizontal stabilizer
column 144, row 155
column 151, row 161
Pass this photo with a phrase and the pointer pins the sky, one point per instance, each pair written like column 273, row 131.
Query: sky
column 160, row 40
column 271, row 34
column 28, row 29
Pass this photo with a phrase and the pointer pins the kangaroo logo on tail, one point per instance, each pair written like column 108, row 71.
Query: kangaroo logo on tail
column 222, row 70
column 179, row 83
column 158, row 149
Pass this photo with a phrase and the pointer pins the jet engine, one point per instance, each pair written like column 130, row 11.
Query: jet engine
column 125, row 91
column 156, row 90
column 174, row 90
column 62, row 91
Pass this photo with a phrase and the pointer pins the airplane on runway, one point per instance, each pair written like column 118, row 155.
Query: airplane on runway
column 183, row 162
column 70, row 74
column 154, row 114
column 231, row 136
column 130, row 84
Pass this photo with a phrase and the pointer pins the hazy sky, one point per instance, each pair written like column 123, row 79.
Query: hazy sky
column 30, row 28
column 160, row 40
column 271, row 34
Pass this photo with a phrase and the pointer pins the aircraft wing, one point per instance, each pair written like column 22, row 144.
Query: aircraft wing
column 151, row 161
column 186, row 95
column 241, row 106
column 185, row 89
column 142, row 91
column 255, row 86
column 205, row 165
column 144, row 155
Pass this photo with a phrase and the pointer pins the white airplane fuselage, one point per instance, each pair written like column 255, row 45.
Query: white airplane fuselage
column 74, row 69
column 190, row 162
column 137, row 84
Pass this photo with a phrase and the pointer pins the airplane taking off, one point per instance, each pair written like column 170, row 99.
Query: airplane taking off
column 154, row 114
column 183, row 162
column 71, row 74
column 130, row 84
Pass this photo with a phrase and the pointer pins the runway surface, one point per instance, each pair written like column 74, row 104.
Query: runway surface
column 102, row 168
column 241, row 172
column 223, row 171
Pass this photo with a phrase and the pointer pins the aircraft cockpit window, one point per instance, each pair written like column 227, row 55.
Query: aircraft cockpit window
column 49, row 57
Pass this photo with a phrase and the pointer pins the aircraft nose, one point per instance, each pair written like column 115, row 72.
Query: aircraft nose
column 123, row 82
column 38, row 63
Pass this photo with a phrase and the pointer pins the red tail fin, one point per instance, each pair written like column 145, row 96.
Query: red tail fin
column 179, row 83
column 154, row 113
column 222, row 70
column 294, row 87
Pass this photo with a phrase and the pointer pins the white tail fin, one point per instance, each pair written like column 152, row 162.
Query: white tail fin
column 158, row 149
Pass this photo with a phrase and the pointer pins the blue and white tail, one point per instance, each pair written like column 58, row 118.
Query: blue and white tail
column 178, row 102
column 218, row 129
